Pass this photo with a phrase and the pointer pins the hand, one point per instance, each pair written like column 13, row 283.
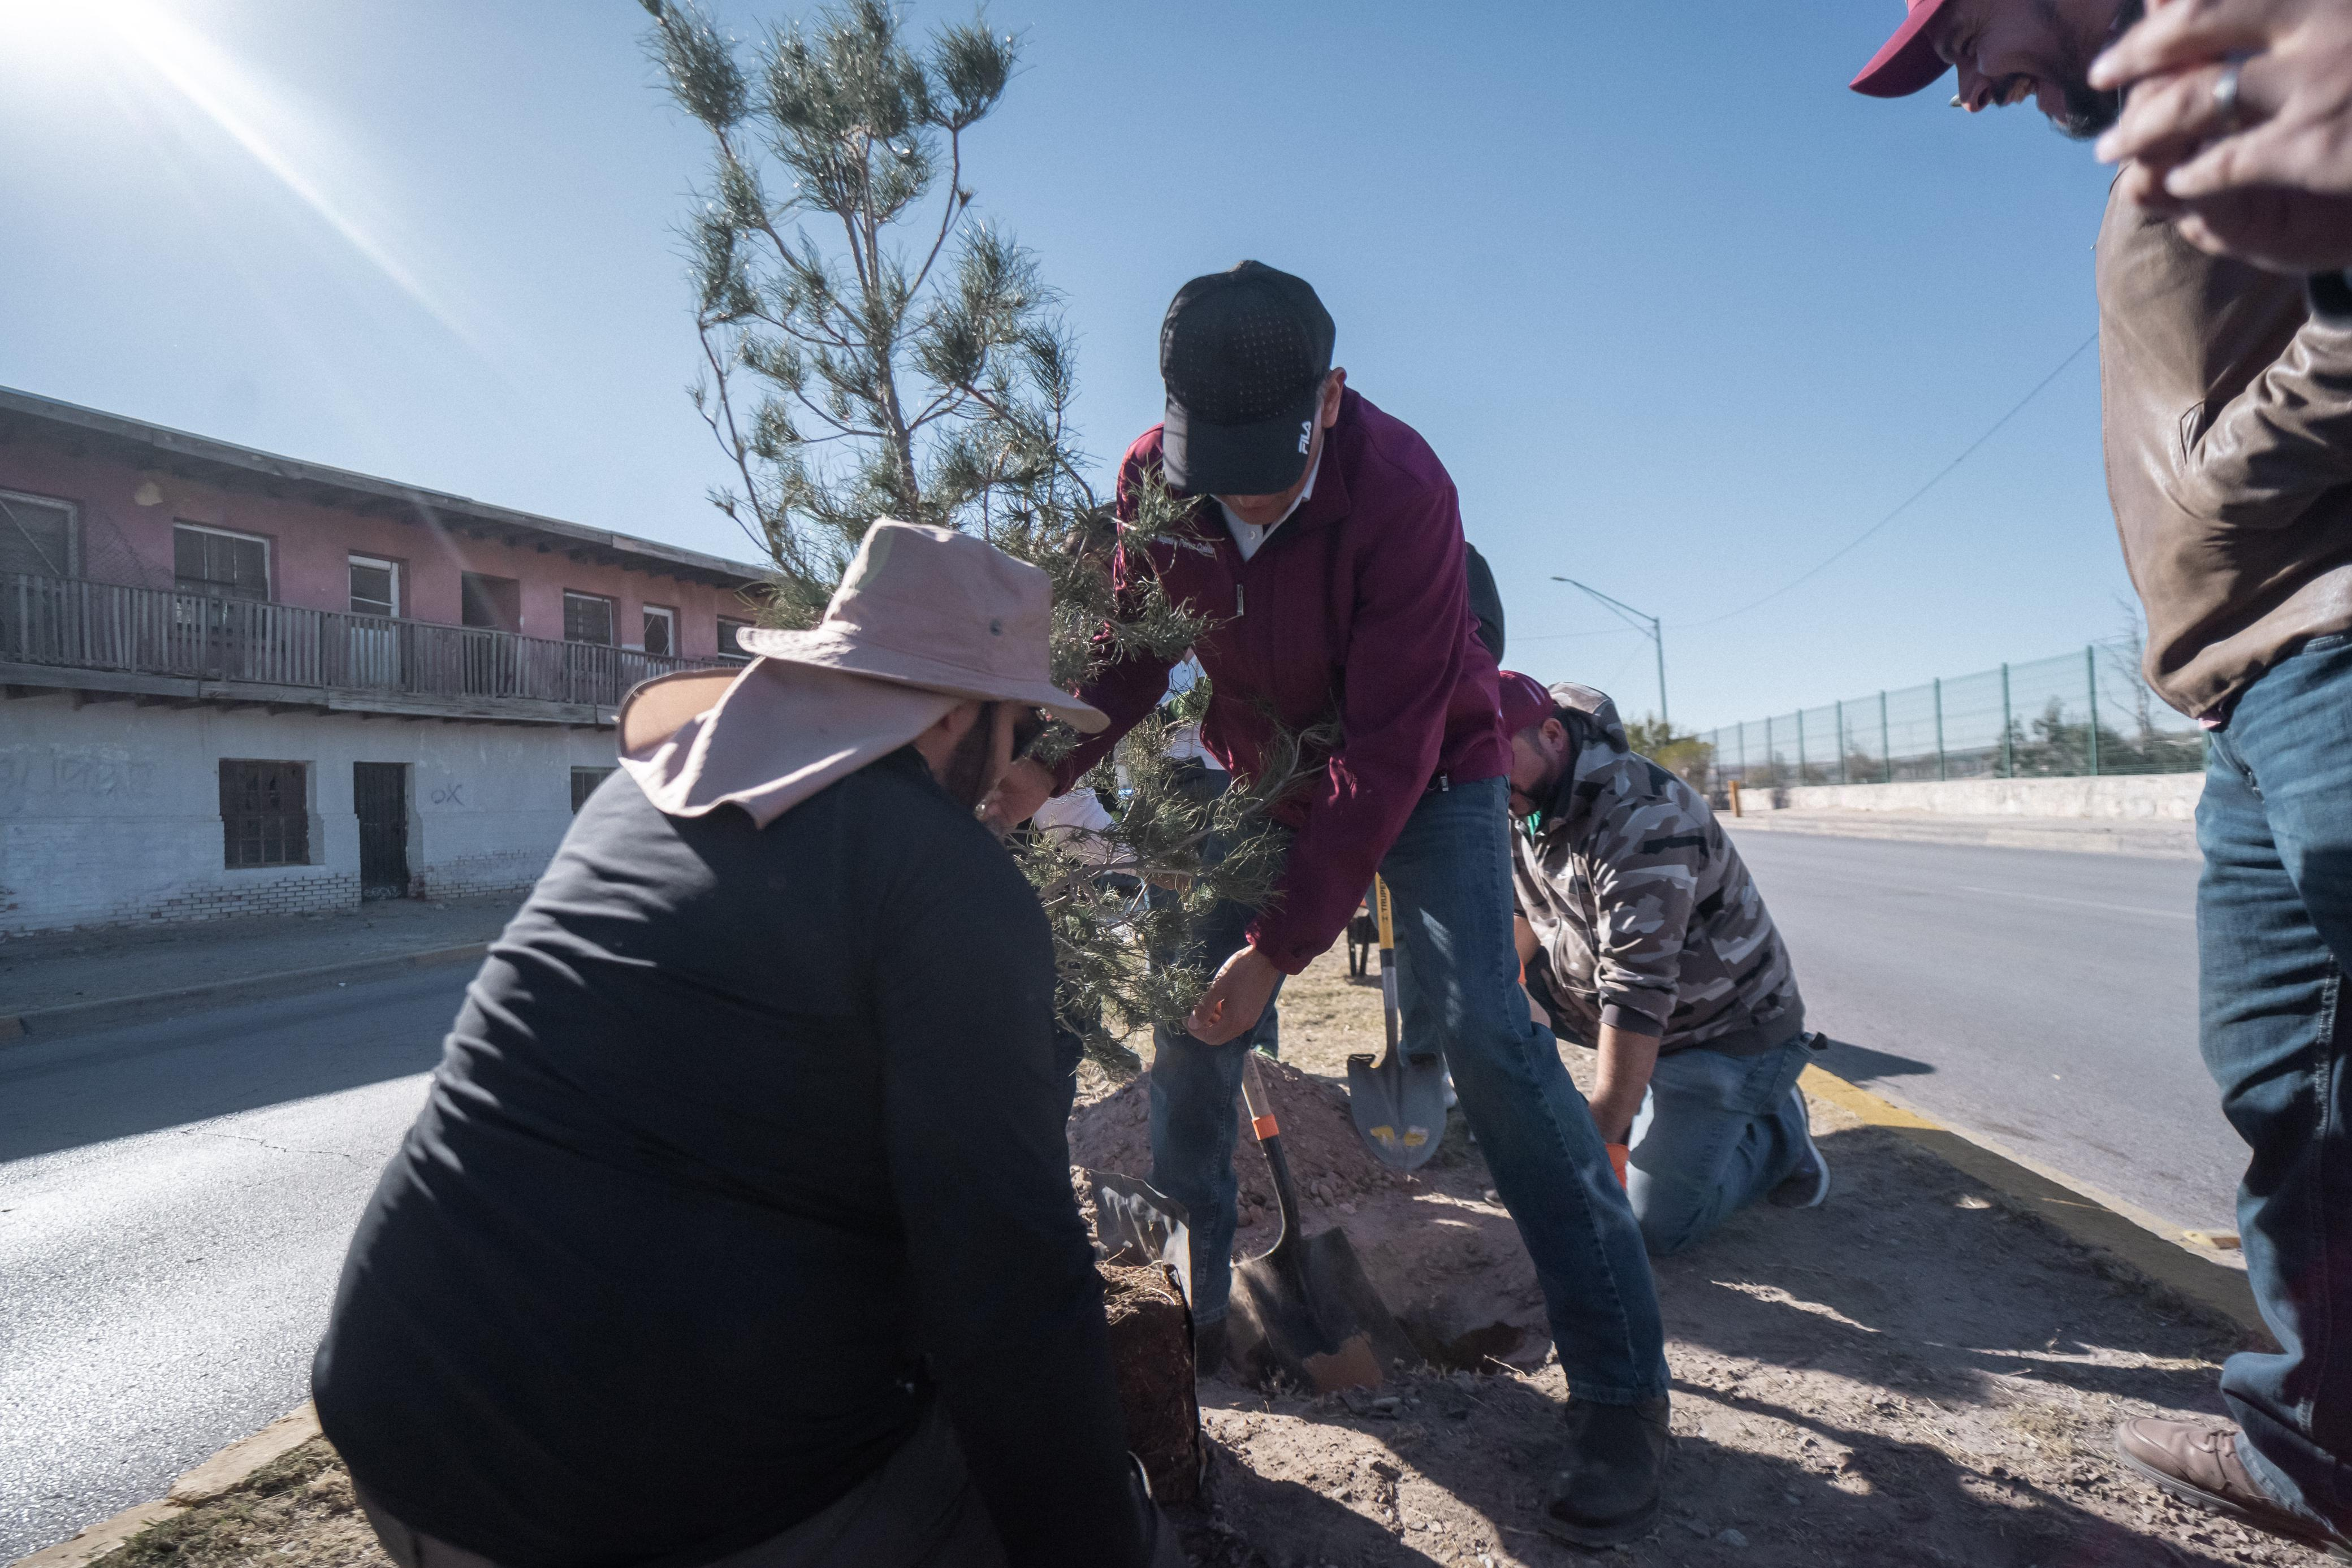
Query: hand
column 2268, row 180
column 1024, row 786
column 1235, row 999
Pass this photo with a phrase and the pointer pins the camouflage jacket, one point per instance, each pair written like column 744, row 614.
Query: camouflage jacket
column 1645, row 918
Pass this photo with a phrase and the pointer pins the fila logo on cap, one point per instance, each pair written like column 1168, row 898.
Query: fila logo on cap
column 1306, row 435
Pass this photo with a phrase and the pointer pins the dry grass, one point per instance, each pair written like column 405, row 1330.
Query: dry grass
column 297, row 1512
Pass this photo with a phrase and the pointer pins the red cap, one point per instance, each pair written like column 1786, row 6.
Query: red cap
column 1525, row 701
column 1909, row 60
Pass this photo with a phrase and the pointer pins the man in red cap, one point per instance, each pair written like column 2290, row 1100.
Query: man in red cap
column 1645, row 940
column 2226, row 404
column 2007, row 51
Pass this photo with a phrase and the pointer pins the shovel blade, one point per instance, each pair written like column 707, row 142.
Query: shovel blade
column 1399, row 1106
column 1308, row 1310
column 1135, row 1222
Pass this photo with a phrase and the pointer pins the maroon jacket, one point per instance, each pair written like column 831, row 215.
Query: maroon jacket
column 1356, row 605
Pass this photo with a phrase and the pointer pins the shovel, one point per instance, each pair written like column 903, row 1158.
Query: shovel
column 1306, row 1307
column 1398, row 1101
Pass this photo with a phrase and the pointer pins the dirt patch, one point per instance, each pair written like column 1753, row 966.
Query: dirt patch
column 1910, row 1374
column 1440, row 1250
column 1151, row 1354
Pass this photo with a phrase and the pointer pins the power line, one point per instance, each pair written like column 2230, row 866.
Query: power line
column 2015, row 409
column 1564, row 636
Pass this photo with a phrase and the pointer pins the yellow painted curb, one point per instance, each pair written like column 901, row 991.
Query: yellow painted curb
column 2106, row 1224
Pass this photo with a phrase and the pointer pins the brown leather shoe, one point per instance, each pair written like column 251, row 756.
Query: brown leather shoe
column 2199, row 1464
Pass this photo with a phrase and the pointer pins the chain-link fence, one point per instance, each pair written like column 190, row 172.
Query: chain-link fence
column 2079, row 714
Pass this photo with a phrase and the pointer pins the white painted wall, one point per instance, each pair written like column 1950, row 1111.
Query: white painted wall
column 110, row 814
column 2148, row 798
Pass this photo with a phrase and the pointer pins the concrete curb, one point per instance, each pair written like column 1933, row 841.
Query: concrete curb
column 2142, row 1243
column 81, row 1018
column 223, row 1472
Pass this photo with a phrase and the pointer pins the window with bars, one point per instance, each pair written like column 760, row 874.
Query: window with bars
column 661, row 631
column 221, row 565
column 265, row 813
column 727, row 632
column 37, row 535
column 583, row 784
column 587, row 618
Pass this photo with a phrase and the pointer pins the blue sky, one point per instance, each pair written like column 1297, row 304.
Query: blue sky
column 1680, row 315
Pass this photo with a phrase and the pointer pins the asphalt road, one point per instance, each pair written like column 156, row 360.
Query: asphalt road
column 2045, row 1001
column 175, row 1202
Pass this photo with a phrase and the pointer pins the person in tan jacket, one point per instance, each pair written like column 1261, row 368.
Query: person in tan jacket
column 2227, row 415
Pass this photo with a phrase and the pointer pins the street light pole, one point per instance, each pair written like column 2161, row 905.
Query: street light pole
column 1634, row 618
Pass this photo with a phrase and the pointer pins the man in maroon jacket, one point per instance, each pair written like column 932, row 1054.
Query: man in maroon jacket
column 1327, row 544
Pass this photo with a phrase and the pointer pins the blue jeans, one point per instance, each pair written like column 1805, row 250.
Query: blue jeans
column 2274, row 937
column 1449, row 874
column 1715, row 1134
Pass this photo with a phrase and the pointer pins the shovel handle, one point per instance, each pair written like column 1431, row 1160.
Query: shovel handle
column 1385, row 912
column 1269, row 1143
column 1261, row 1109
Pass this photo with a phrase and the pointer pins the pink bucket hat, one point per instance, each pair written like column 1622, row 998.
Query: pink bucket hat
column 926, row 618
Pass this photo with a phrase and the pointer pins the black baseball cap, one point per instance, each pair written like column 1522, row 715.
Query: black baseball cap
column 1243, row 354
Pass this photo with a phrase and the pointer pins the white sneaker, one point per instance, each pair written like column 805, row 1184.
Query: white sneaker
column 1809, row 1184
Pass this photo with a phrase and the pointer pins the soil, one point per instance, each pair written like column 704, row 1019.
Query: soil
column 1911, row 1375
column 1151, row 1353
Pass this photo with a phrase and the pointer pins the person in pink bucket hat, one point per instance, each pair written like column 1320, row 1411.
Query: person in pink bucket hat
column 737, row 1226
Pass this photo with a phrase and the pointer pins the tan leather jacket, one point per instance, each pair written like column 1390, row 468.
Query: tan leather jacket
column 2228, row 417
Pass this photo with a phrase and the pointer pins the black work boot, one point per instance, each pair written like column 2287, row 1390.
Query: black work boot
column 1616, row 1458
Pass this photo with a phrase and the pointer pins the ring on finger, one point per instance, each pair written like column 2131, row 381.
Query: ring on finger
column 2225, row 93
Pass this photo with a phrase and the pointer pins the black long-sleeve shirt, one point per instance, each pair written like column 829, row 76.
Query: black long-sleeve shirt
column 746, row 1145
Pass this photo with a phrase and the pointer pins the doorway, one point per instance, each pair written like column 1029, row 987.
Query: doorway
column 380, row 791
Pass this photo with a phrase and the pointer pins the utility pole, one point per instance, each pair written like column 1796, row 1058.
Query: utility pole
column 1633, row 618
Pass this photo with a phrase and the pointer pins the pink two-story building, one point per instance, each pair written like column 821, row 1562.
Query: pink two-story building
column 238, row 683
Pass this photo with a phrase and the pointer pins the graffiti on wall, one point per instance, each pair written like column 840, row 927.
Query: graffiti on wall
column 93, row 772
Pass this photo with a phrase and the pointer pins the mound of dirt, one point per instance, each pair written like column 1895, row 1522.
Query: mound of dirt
column 1440, row 1250
column 1335, row 1173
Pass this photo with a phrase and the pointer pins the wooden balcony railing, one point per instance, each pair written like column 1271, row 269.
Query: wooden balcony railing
column 144, row 631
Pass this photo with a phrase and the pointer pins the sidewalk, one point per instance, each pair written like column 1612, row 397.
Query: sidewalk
column 2157, row 839
column 79, row 967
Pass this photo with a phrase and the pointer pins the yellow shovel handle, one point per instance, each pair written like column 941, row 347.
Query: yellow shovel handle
column 1387, row 921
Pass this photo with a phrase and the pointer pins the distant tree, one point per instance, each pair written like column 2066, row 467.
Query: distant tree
column 871, row 349
column 1679, row 751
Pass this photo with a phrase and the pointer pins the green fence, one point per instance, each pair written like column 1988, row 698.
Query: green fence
column 2078, row 714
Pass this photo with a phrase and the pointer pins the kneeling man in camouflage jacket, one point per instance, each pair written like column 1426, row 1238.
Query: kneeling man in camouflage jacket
column 1645, row 939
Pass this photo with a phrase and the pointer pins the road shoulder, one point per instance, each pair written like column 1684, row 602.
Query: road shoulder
column 2150, row 840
